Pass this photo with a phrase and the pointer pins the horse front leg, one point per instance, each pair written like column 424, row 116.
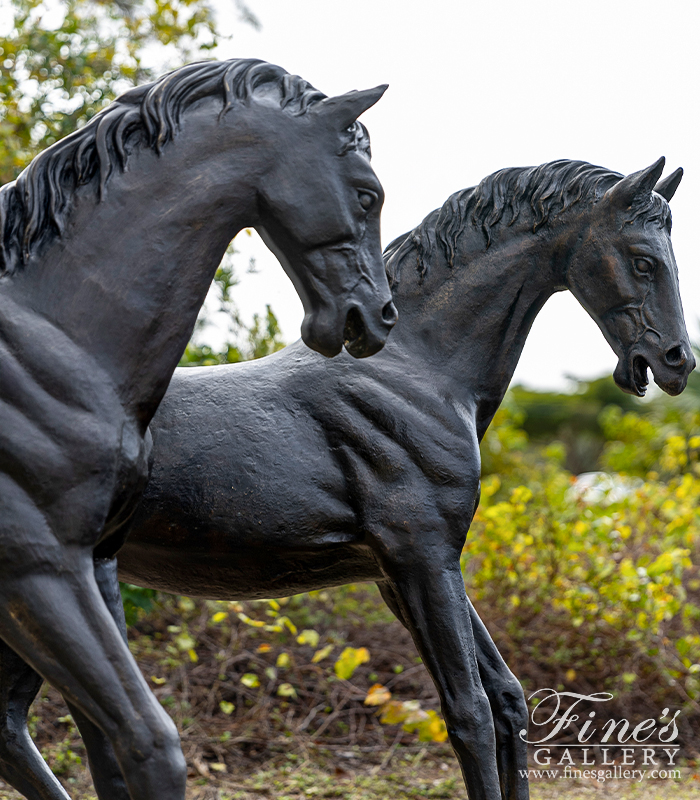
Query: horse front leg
column 428, row 591
column 21, row 764
column 104, row 768
column 53, row 616
column 505, row 696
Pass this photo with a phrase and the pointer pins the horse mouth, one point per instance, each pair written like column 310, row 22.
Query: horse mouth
column 640, row 375
column 672, row 381
column 355, row 335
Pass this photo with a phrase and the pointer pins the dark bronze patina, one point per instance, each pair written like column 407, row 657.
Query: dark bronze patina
column 108, row 243
column 295, row 473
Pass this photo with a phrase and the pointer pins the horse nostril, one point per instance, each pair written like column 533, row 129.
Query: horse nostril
column 389, row 313
column 675, row 357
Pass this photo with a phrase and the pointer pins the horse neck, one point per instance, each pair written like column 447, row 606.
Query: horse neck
column 127, row 278
column 468, row 323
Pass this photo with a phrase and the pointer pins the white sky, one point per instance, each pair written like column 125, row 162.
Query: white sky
column 476, row 86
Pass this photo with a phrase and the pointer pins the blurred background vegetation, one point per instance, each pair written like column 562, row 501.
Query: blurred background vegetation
column 583, row 558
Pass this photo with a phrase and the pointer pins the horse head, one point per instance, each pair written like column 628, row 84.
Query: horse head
column 632, row 291
column 319, row 214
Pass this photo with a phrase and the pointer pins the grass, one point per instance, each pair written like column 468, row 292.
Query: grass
column 410, row 777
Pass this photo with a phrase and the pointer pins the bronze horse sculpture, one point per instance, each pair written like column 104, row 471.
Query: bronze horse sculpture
column 380, row 458
column 108, row 243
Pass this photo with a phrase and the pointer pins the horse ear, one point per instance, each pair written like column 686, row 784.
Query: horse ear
column 667, row 187
column 344, row 109
column 636, row 185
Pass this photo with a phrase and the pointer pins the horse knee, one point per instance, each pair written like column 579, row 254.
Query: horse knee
column 511, row 715
column 153, row 745
column 12, row 742
column 14, row 734
column 153, row 735
column 471, row 725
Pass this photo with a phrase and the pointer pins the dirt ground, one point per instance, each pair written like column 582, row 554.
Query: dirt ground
column 404, row 781
column 408, row 778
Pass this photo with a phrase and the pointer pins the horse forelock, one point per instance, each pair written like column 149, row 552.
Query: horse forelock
column 546, row 192
column 34, row 208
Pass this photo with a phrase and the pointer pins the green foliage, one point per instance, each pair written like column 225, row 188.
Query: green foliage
column 261, row 339
column 573, row 418
column 64, row 61
column 665, row 443
column 601, row 584
column 135, row 599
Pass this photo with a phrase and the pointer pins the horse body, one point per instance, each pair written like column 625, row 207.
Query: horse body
column 380, row 459
column 273, row 536
column 411, row 417
column 108, row 243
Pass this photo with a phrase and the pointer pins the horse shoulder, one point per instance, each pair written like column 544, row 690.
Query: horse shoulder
column 62, row 428
column 410, row 459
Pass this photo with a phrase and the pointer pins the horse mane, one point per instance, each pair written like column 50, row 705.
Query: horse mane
column 547, row 192
column 34, row 208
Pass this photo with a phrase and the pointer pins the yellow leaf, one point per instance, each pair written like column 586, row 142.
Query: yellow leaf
column 194, row 658
column 157, row 681
column 377, row 695
column 220, row 616
column 226, row 707
column 350, row 659
column 254, row 623
column 324, row 652
column 286, row 690
column 393, row 713
column 292, row 627
column 308, row 637
column 250, row 680
column 264, row 648
column 433, row 729
column 283, row 660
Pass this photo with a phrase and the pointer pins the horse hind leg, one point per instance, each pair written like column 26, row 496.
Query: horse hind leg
column 21, row 764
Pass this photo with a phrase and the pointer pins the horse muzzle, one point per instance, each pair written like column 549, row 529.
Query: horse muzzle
column 362, row 334
column 671, row 369
column 364, row 337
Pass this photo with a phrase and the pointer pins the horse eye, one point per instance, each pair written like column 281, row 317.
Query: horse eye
column 367, row 200
column 643, row 265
